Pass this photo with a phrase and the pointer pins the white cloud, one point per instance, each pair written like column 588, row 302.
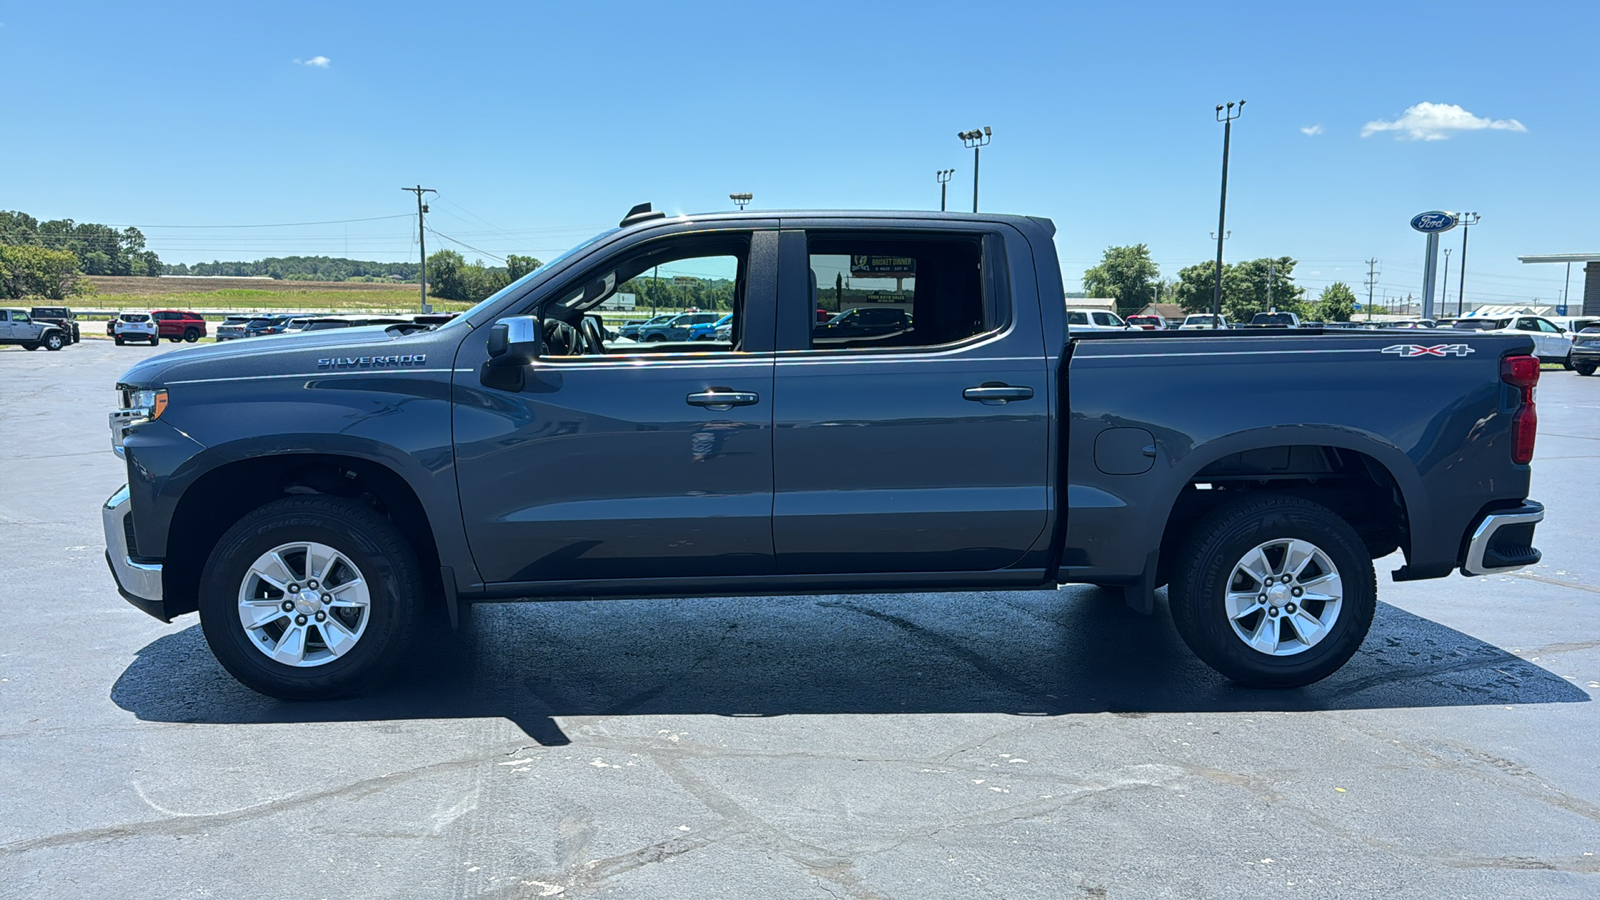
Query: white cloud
column 316, row 62
column 1436, row 122
column 1311, row 129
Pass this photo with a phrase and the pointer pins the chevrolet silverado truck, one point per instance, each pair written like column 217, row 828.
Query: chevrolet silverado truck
column 322, row 498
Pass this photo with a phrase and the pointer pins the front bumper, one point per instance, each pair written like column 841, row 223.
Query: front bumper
column 139, row 582
column 1503, row 541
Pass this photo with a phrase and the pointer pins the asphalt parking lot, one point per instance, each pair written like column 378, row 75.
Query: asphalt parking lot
column 1042, row 744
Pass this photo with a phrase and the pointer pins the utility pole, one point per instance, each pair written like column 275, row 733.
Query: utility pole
column 422, row 243
column 943, row 176
column 1372, row 282
column 1444, row 284
column 976, row 140
column 1225, row 115
column 1272, row 270
column 1467, row 221
column 1564, row 288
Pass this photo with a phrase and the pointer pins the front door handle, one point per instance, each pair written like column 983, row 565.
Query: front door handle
column 720, row 398
column 996, row 393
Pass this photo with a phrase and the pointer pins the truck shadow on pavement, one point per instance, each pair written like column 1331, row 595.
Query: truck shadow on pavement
column 1078, row 650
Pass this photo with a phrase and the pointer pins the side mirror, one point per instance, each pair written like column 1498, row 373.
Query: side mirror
column 513, row 343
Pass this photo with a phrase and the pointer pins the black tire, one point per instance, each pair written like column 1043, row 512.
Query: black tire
column 30, row 346
column 118, row 339
column 53, row 341
column 654, row 338
column 155, row 341
column 174, row 340
column 1566, row 363
column 378, row 550
column 191, row 335
column 1205, row 564
column 1584, row 368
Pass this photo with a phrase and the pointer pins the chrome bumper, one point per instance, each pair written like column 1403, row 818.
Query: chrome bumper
column 139, row 582
column 1493, row 549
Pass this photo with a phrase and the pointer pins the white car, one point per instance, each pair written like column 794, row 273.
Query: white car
column 1197, row 321
column 135, row 327
column 1097, row 320
column 1550, row 343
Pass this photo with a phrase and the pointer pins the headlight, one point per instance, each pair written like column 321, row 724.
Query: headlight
column 152, row 401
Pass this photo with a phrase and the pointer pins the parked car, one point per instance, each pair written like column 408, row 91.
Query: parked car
column 675, row 328
column 18, row 327
column 1551, row 344
column 232, row 328
column 179, row 325
column 630, row 329
column 1079, row 320
column 1412, row 323
column 324, row 323
column 1197, row 321
column 135, row 327
column 1275, row 319
column 863, row 322
column 1573, row 324
column 298, row 324
column 1149, row 322
column 708, row 331
column 1586, row 350
column 61, row 317
column 262, row 326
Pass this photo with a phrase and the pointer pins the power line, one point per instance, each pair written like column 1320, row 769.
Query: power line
column 271, row 225
column 464, row 244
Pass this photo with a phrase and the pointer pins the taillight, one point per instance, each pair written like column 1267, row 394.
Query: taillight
column 1522, row 373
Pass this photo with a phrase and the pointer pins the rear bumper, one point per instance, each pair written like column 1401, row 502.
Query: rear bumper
column 139, row 582
column 1502, row 541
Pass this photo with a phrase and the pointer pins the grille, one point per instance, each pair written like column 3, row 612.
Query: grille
column 127, row 531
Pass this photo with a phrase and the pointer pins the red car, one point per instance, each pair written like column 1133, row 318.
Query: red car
column 177, row 325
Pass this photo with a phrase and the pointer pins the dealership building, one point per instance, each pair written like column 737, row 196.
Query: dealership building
column 1591, row 278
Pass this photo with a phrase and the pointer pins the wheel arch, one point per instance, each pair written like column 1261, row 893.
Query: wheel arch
column 214, row 500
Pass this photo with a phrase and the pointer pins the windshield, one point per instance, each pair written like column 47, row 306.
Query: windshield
column 526, row 280
column 1478, row 324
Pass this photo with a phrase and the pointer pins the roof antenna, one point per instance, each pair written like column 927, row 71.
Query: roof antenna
column 640, row 213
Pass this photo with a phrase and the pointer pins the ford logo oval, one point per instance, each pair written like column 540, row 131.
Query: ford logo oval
column 1433, row 222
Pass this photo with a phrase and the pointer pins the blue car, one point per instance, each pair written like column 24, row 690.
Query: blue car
column 708, row 331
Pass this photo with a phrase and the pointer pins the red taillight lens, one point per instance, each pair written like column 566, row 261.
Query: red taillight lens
column 1522, row 373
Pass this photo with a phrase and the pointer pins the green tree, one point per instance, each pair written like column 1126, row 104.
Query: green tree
column 447, row 278
column 1125, row 274
column 1337, row 303
column 40, row 272
column 518, row 266
column 1244, row 288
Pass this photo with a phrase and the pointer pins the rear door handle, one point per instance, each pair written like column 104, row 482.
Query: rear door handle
column 995, row 393
column 720, row 398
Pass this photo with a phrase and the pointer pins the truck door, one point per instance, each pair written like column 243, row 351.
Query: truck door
column 623, row 460
column 918, row 448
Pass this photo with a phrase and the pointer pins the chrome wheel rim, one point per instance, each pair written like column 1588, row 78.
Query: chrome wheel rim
column 303, row 604
column 1284, row 597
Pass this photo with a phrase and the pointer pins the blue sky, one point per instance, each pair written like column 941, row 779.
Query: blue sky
column 541, row 123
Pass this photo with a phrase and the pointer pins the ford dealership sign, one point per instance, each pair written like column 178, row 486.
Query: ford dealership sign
column 1433, row 222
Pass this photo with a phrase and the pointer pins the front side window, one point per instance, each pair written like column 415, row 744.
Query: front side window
column 1077, row 318
column 698, row 280
column 1547, row 327
column 895, row 292
column 1105, row 319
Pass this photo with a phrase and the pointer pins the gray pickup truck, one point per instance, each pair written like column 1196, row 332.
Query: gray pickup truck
column 18, row 327
column 318, row 497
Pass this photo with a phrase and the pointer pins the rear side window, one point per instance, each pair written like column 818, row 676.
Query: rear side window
column 883, row 292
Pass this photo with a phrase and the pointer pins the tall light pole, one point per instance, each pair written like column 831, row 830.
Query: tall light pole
column 943, row 176
column 1467, row 221
column 742, row 200
column 976, row 140
column 422, row 244
column 1444, row 283
column 1225, row 115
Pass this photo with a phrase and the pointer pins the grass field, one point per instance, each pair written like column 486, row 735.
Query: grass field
column 126, row 292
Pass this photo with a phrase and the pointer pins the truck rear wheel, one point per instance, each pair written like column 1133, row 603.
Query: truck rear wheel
column 1584, row 368
column 1273, row 591
column 310, row 598
column 30, row 346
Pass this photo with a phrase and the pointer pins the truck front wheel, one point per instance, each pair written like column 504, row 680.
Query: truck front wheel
column 52, row 341
column 310, row 598
column 1273, row 591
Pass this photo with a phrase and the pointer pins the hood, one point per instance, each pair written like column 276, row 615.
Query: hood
column 291, row 354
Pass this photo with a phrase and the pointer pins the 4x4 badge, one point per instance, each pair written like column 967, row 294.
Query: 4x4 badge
column 1408, row 351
